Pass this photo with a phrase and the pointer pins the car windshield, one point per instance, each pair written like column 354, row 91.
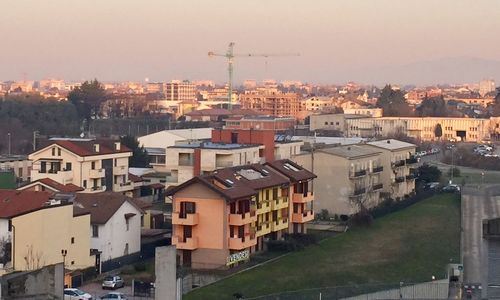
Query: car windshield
column 109, row 278
column 78, row 292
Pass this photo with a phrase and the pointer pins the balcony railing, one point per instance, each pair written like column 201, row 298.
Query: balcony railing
column 126, row 183
column 190, row 219
column 398, row 163
column 239, row 219
column 223, row 164
column 303, row 198
column 303, row 217
column 120, row 170
column 412, row 160
column 239, row 243
column 359, row 191
column 378, row 186
column 378, row 169
column 357, row 174
column 279, row 224
column 411, row 177
column 190, row 243
column 399, row 179
column 96, row 173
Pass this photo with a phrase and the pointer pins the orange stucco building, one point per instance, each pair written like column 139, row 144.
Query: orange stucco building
column 219, row 220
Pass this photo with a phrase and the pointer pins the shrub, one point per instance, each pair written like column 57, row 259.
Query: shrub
column 344, row 218
column 323, row 215
column 140, row 267
column 127, row 270
column 363, row 218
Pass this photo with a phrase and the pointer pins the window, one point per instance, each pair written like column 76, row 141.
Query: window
column 72, row 262
column 127, row 223
column 326, row 123
column 72, row 240
column 93, row 165
column 53, row 151
column 58, row 151
column 68, row 166
column 95, row 231
column 116, row 179
column 85, row 184
column 10, row 225
column 142, row 221
column 116, row 162
column 126, row 249
column 20, row 173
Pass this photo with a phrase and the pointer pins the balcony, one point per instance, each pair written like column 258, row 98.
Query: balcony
column 303, row 198
column 223, row 164
column 304, row 217
column 377, row 187
column 399, row 179
column 378, row 169
column 412, row 160
column 185, row 243
column 97, row 173
column 98, row 188
column 358, row 192
column 120, row 170
column 279, row 203
column 123, row 187
column 398, row 163
column 237, row 243
column 280, row 224
column 242, row 219
column 185, row 219
column 63, row 177
column 265, row 206
column 263, row 229
column 357, row 174
column 411, row 177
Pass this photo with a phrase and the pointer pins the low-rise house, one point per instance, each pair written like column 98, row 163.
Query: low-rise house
column 36, row 227
column 96, row 166
column 220, row 219
column 47, row 184
column 19, row 164
column 115, row 224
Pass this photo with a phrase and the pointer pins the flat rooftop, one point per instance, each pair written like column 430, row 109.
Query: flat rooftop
column 210, row 145
column 350, row 151
column 391, row 144
column 7, row 158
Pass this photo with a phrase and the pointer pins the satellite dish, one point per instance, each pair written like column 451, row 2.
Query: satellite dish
column 82, row 135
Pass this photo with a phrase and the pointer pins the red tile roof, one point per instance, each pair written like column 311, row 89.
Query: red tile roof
column 134, row 178
column 14, row 203
column 86, row 148
column 65, row 188
column 102, row 206
column 291, row 170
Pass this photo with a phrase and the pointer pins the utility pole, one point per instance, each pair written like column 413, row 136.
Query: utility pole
column 9, row 149
column 35, row 134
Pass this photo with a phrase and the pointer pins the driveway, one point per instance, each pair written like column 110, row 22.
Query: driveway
column 480, row 257
column 95, row 289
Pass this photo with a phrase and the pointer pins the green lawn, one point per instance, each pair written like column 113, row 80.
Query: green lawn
column 410, row 246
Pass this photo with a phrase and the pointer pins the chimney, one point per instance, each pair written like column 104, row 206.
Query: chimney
column 117, row 146
column 96, row 148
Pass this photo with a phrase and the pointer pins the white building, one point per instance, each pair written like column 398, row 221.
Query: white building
column 115, row 223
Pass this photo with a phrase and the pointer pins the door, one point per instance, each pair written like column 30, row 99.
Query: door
column 107, row 165
column 188, row 232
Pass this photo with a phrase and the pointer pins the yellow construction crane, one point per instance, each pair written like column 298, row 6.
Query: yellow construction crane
column 230, row 55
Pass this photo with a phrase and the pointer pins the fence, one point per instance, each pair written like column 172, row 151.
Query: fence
column 429, row 290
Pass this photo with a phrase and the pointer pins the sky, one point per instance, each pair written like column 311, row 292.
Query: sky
column 338, row 41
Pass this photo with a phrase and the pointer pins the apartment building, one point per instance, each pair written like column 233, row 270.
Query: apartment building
column 331, row 121
column 371, row 112
column 96, row 166
column 316, row 104
column 399, row 158
column 348, row 176
column 220, row 219
column 178, row 90
column 37, row 227
column 271, row 102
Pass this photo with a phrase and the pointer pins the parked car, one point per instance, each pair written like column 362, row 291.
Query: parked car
column 113, row 282
column 114, row 296
column 432, row 186
column 451, row 188
column 76, row 294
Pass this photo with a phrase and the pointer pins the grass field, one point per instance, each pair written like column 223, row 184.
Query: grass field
column 410, row 246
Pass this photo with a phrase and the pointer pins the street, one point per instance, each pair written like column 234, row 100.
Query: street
column 480, row 256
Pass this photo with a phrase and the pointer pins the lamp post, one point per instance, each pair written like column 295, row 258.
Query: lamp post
column 9, row 148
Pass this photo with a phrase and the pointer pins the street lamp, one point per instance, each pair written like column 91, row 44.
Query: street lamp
column 64, row 252
column 8, row 137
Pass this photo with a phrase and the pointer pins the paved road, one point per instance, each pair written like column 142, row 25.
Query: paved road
column 479, row 203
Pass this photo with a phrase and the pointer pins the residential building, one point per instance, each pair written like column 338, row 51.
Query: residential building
column 271, row 102
column 19, row 164
column 96, row 166
column 331, row 121
column 166, row 138
column 220, row 219
column 371, row 112
column 177, row 90
column 37, row 227
column 348, row 177
column 115, row 224
column 399, row 158
column 316, row 104
column 486, row 87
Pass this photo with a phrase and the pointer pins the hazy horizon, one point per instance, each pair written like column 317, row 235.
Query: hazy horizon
column 384, row 41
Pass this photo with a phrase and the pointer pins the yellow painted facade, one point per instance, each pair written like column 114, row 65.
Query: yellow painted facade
column 40, row 236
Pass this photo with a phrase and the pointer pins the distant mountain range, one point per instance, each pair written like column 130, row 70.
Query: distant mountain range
column 446, row 70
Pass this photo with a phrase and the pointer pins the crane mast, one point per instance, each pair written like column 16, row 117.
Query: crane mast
column 230, row 55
